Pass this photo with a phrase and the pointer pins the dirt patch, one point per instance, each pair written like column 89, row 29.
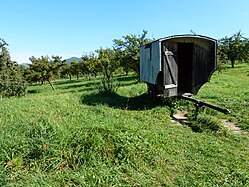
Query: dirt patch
column 231, row 126
column 180, row 118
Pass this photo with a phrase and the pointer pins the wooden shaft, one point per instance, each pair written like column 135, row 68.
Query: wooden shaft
column 202, row 103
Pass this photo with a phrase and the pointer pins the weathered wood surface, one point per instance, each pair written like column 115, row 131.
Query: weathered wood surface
column 162, row 63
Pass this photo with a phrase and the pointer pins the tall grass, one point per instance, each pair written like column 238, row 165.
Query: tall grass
column 75, row 136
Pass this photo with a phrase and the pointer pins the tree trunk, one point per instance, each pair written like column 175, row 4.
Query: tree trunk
column 232, row 62
column 51, row 84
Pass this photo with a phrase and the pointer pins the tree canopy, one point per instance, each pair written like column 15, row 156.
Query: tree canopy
column 90, row 64
column 128, row 50
column 109, row 64
column 43, row 69
column 11, row 83
column 234, row 48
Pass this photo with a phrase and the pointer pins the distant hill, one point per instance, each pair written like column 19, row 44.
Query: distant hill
column 26, row 65
column 69, row 60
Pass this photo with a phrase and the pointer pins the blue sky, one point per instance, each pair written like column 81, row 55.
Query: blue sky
column 73, row 27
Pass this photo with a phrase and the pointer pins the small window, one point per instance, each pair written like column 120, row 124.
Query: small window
column 149, row 51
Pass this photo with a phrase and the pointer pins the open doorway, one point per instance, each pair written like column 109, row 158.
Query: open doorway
column 185, row 67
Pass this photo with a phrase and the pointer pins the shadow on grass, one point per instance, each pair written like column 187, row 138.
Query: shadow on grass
column 87, row 85
column 194, row 126
column 114, row 100
column 235, row 67
column 33, row 91
column 67, row 81
column 84, row 89
column 127, row 78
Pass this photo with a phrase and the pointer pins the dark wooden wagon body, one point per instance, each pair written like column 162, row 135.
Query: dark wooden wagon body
column 179, row 64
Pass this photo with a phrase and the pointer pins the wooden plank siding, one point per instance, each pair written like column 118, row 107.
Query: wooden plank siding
column 150, row 63
column 190, row 65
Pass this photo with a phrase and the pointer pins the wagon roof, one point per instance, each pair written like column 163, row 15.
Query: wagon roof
column 186, row 36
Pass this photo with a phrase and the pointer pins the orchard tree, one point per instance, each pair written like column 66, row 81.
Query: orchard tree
column 57, row 59
column 109, row 65
column 75, row 68
column 11, row 83
column 43, row 69
column 66, row 70
column 90, row 65
column 5, row 61
column 128, row 50
column 233, row 48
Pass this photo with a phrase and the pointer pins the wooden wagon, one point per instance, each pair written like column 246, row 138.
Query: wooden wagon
column 178, row 64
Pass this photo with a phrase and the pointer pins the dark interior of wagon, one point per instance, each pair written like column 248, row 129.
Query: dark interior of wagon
column 185, row 67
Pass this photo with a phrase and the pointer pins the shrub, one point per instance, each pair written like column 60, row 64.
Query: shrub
column 13, row 88
column 108, row 86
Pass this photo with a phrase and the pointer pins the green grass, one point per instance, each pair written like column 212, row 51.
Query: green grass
column 230, row 89
column 75, row 136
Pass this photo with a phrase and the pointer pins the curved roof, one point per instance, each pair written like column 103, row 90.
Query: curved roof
column 187, row 36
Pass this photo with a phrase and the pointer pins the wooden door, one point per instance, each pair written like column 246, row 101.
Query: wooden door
column 170, row 72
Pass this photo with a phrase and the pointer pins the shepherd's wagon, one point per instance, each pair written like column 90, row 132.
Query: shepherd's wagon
column 178, row 64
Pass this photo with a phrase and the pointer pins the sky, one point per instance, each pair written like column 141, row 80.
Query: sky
column 74, row 27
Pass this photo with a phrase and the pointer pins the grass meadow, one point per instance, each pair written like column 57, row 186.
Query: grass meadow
column 75, row 136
